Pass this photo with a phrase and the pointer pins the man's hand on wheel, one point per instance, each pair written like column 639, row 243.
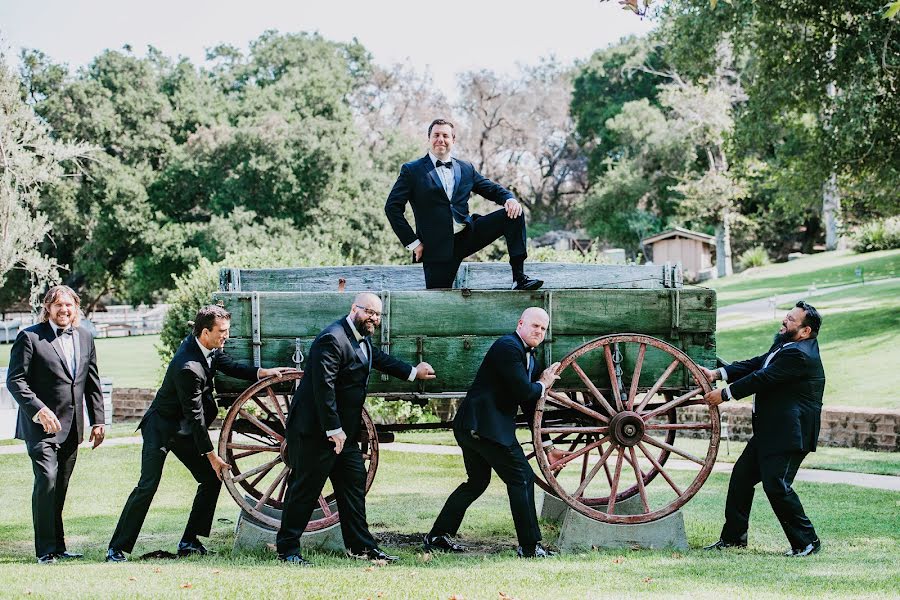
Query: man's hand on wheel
column 714, row 398
column 710, row 374
column 218, row 465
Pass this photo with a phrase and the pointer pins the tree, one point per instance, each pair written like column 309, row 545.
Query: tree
column 30, row 162
column 518, row 131
column 831, row 64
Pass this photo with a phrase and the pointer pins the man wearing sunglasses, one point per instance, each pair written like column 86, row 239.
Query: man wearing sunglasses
column 323, row 430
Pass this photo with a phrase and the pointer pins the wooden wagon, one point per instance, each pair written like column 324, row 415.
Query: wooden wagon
column 630, row 395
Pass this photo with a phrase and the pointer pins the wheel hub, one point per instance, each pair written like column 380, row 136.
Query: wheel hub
column 626, row 428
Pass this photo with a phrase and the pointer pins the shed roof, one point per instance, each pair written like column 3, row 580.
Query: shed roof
column 677, row 232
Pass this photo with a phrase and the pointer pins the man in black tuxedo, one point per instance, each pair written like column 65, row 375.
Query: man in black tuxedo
column 323, row 428
column 177, row 420
column 438, row 187
column 53, row 375
column 789, row 382
column 485, row 429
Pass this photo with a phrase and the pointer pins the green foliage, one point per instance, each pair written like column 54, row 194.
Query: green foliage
column 387, row 412
column 548, row 254
column 754, row 257
column 880, row 235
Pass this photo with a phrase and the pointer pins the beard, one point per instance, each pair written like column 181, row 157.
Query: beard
column 784, row 338
column 363, row 325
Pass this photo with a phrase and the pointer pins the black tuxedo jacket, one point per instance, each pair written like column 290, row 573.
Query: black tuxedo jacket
column 420, row 186
column 501, row 386
column 39, row 376
column 333, row 388
column 185, row 399
column 788, row 396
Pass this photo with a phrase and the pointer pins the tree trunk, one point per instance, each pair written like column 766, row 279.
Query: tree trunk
column 831, row 214
column 723, row 244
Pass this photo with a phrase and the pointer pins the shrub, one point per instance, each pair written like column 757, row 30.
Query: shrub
column 879, row 235
column 754, row 257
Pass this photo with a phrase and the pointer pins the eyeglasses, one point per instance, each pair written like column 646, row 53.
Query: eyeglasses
column 369, row 312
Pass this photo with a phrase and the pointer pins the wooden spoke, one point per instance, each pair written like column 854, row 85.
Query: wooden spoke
column 659, row 468
column 268, row 493
column 676, row 426
column 574, row 429
column 261, row 468
column 277, row 403
column 636, row 376
column 672, row 449
column 570, row 457
column 613, row 380
column 592, row 388
column 261, row 425
column 605, row 455
column 324, row 506
column 672, row 404
column 640, row 479
column 569, row 403
column 259, row 402
column 585, row 481
column 662, row 379
column 284, row 484
column 614, row 489
column 254, row 447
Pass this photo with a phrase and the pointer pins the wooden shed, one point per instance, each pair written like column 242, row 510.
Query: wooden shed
column 692, row 249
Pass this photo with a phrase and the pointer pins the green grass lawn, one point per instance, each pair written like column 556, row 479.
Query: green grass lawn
column 822, row 270
column 859, row 342
column 130, row 361
column 858, row 526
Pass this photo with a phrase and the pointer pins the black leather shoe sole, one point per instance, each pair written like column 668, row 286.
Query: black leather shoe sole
column 440, row 545
column 529, row 285
column 808, row 551
column 723, row 545
column 115, row 556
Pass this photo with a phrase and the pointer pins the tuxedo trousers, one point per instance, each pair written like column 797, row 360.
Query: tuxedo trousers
column 480, row 456
column 776, row 472
column 161, row 437
column 313, row 461
column 52, row 464
column 483, row 231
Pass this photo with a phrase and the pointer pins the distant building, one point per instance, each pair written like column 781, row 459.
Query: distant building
column 692, row 249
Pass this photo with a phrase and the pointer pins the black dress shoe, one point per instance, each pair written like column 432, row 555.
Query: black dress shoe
column 69, row 555
column 47, row 559
column 113, row 555
column 192, row 549
column 442, row 543
column 373, row 554
column 812, row 548
column 527, row 283
column 722, row 544
column 537, row 552
column 295, row 560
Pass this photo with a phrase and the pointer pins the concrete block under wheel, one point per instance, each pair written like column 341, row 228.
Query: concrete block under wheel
column 250, row 534
column 553, row 509
column 579, row 532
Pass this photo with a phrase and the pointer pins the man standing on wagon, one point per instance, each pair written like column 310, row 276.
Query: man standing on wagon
column 787, row 384
column 323, row 429
column 485, row 429
column 438, row 186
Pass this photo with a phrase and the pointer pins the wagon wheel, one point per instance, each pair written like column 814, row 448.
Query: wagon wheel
column 615, row 431
column 554, row 415
column 252, row 441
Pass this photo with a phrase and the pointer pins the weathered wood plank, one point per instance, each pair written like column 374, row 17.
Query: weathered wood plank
column 481, row 276
column 484, row 312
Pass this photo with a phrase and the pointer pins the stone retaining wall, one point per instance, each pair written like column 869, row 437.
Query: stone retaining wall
column 844, row 427
column 130, row 404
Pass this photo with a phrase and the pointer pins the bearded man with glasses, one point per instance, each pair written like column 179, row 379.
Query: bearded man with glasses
column 323, row 429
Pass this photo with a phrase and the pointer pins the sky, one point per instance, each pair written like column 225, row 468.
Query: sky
column 444, row 38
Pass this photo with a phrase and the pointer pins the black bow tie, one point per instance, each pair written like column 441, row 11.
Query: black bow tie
column 61, row 332
column 448, row 164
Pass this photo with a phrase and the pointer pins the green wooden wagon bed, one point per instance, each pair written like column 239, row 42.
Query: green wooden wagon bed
column 630, row 395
